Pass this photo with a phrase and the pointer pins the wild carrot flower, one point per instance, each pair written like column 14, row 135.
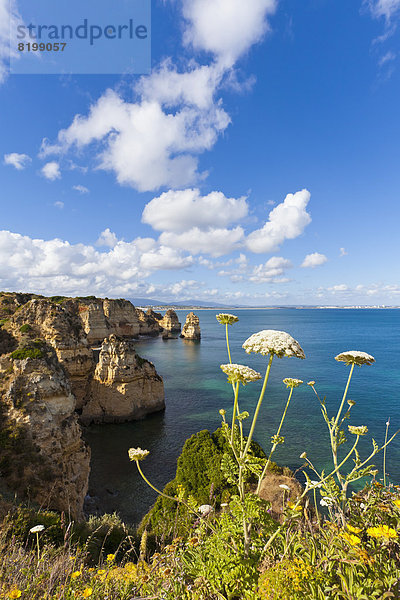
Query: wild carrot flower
column 355, row 357
column 303, row 455
column 360, row 430
column 311, row 383
column 382, row 531
column 284, row 487
column 292, row 383
column 277, row 439
column 270, row 341
column 137, row 454
column 36, row 529
column 240, row 373
column 227, row 319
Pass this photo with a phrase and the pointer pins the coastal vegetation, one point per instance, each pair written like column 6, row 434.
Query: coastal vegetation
column 231, row 525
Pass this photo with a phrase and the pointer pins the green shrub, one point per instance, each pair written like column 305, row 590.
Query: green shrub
column 25, row 328
column 26, row 352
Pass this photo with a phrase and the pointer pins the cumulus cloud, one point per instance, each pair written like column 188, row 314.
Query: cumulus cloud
column 226, row 28
column 343, row 252
column 107, row 238
column 19, row 161
column 179, row 211
column 51, row 171
column 81, row 189
column 56, row 266
column 286, row 221
column 314, row 260
column 145, row 146
column 58, row 204
column 213, row 241
column 271, row 271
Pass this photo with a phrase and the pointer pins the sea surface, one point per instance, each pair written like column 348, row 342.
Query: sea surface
column 196, row 388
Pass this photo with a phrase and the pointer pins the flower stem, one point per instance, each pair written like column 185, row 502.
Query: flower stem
column 227, row 342
column 344, row 397
column 234, row 409
column 246, row 448
column 384, row 453
column 275, row 445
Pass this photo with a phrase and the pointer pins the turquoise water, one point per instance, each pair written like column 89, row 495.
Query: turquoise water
column 196, row 389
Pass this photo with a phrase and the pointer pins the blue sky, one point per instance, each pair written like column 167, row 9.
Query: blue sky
column 258, row 164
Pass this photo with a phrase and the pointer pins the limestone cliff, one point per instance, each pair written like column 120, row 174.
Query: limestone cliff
column 191, row 328
column 124, row 386
column 102, row 318
column 42, row 455
column 49, row 377
column 149, row 322
column 170, row 322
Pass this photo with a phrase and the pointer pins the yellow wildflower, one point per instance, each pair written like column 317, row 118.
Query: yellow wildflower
column 76, row 574
column 130, row 566
column 292, row 506
column 15, row 593
column 382, row 531
column 87, row 592
column 101, row 572
column 110, row 557
column 396, row 503
column 353, row 529
column 350, row 538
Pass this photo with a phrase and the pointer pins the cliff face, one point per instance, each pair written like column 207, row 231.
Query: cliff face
column 48, row 376
column 101, row 318
column 191, row 328
column 124, row 386
column 149, row 322
column 42, row 454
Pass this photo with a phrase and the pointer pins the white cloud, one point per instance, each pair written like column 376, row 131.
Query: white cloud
column 19, row 161
column 387, row 58
column 343, row 252
column 81, row 189
column 178, row 211
column 271, row 271
column 383, row 8
column 56, row 266
column 226, row 28
column 59, row 204
column 314, row 260
column 145, row 146
column 286, row 221
column 8, row 16
column 214, row 242
column 51, row 171
column 107, row 238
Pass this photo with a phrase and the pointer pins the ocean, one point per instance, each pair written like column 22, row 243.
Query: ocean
column 196, row 388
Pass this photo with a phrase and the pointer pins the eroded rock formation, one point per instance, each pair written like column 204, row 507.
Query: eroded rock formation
column 49, row 377
column 149, row 322
column 170, row 323
column 124, row 386
column 191, row 328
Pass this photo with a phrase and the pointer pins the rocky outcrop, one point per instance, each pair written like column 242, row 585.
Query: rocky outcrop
column 49, row 383
column 170, row 323
column 42, row 455
column 101, row 318
column 149, row 322
column 191, row 328
column 61, row 327
column 124, row 386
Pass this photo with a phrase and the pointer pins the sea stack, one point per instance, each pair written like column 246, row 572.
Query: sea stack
column 191, row 329
column 170, row 324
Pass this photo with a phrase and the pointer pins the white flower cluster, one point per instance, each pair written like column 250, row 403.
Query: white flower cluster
column 137, row 454
column 360, row 430
column 292, row 383
column 240, row 373
column 36, row 529
column 356, row 357
column 227, row 319
column 270, row 341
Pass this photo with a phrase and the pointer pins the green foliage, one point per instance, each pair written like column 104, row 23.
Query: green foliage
column 32, row 350
column 25, row 328
column 20, row 520
column 104, row 535
column 57, row 299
